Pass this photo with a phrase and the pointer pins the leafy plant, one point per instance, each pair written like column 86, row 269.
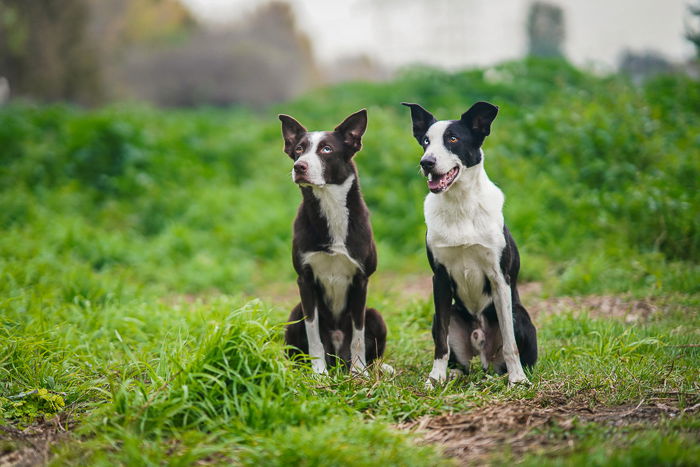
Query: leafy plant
column 28, row 406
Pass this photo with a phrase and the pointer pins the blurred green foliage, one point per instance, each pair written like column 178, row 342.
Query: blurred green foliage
column 601, row 180
column 112, row 219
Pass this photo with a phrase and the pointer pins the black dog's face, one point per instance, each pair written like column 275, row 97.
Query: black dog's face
column 450, row 146
column 323, row 157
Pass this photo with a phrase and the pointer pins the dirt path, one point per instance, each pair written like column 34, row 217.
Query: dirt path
column 604, row 306
column 526, row 426
column 31, row 446
column 406, row 288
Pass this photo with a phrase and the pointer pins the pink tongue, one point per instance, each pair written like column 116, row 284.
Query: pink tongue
column 434, row 183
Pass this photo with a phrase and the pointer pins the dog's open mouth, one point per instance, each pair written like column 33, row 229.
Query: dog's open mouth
column 438, row 183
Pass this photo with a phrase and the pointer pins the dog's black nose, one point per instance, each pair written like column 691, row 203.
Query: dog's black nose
column 427, row 162
column 300, row 167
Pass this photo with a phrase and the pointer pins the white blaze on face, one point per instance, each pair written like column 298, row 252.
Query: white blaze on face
column 444, row 159
column 314, row 173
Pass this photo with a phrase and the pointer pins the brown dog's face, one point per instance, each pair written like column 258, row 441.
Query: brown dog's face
column 323, row 157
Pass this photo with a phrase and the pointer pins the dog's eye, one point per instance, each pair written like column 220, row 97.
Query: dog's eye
column 299, row 149
column 426, row 141
column 326, row 149
column 452, row 139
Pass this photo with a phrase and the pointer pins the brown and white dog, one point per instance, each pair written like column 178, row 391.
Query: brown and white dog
column 333, row 250
column 473, row 256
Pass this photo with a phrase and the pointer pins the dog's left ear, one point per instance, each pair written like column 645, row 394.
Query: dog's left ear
column 353, row 128
column 478, row 119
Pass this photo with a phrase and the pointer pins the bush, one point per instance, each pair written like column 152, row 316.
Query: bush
column 200, row 200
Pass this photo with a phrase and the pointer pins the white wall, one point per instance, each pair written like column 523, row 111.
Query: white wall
column 459, row 33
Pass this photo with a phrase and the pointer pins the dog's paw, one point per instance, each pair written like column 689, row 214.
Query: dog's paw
column 455, row 373
column 319, row 367
column 439, row 376
column 434, row 380
column 518, row 378
column 388, row 369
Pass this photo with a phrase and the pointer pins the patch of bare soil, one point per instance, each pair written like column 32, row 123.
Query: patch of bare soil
column 526, row 425
column 409, row 287
column 31, row 446
column 602, row 306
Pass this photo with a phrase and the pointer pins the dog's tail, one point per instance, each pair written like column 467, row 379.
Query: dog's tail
column 525, row 336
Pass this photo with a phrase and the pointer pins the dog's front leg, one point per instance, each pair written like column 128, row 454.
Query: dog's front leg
column 357, row 298
column 313, row 333
column 504, row 311
column 442, row 297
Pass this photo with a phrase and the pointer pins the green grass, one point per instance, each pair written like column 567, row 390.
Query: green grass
column 669, row 443
column 134, row 242
column 206, row 381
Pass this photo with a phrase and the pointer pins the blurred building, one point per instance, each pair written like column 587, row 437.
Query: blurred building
column 254, row 52
column 460, row 33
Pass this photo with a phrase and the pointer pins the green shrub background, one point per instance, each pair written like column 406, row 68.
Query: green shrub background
column 601, row 179
column 132, row 239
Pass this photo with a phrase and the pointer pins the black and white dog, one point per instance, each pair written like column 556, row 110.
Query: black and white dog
column 333, row 250
column 474, row 259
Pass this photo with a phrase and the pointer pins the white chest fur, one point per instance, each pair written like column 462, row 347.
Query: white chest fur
column 465, row 233
column 334, row 270
column 334, row 208
column 467, row 266
column 469, row 213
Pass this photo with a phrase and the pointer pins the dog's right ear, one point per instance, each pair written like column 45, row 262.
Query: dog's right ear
column 292, row 132
column 422, row 119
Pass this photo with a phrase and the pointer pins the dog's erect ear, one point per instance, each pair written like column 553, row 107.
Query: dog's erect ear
column 422, row 119
column 353, row 128
column 478, row 119
column 292, row 132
